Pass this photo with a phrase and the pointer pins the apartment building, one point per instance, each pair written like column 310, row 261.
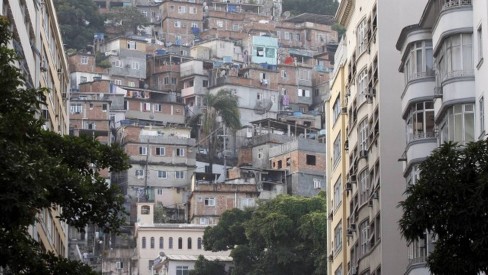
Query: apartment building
column 366, row 178
column 443, row 95
column 158, row 242
column 181, row 21
column 38, row 43
column 209, row 200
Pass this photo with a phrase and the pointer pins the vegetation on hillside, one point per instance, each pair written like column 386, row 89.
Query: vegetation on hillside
column 327, row 7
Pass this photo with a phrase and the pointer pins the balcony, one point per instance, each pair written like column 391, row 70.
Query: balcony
column 455, row 4
column 165, row 68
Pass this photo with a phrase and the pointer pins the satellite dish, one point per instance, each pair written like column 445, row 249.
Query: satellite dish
column 286, row 14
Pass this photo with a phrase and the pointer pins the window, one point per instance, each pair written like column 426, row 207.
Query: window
column 364, row 237
column 364, row 185
column 104, row 107
column 336, row 109
column 194, row 24
column 91, row 125
column 270, row 52
column 119, row 265
column 362, row 39
column 456, row 56
column 303, row 93
column 297, row 36
column 311, row 159
column 173, row 80
column 363, row 133
column 220, row 23
column 160, row 151
column 83, row 79
column 482, row 114
column 145, row 106
column 142, row 150
column 317, row 183
column 136, row 65
column 199, row 243
column 140, row 173
column 337, row 149
column 247, row 202
column 420, row 121
column 180, row 243
column 177, row 24
column 76, row 108
column 84, row 60
column 166, row 80
column 362, row 85
column 337, row 193
column 192, row 10
column 144, row 13
column 260, row 51
column 162, row 174
column 205, row 83
column 181, row 9
column 180, row 174
column 131, row 45
column 152, row 242
column 157, row 107
column 189, row 243
column 145, row 210
column 170, row 245
column 160, row 191
column 210, row 201
column 338, row 271
column 182, row 270
column 338, row 238
column 413, row 175
column 304, row 74
column 143, row 244
column 284, row 74
column 480, row 44
column 118, row 82
column 458, row 124
column 287, row 36
column 235, row 27
column 419, row 62
column 180, row 152
column 150, row 264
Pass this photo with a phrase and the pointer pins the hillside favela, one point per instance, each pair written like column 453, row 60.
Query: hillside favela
column 243, row 137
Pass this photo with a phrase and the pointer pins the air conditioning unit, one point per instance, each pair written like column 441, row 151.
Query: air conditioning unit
column 348, row 186
column 344, row 110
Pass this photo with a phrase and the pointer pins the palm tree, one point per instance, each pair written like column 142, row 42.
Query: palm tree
column 221, row 108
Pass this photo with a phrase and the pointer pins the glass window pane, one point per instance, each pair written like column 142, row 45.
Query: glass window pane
column 458, row 128
column 469, row 127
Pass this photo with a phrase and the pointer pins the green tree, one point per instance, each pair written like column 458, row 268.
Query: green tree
column 41, row 169
column 79, row 20
column 206, row 267
column 286, row 235
column 222, row 105
column 450, row 201
column 126, row 20
column 328, row 7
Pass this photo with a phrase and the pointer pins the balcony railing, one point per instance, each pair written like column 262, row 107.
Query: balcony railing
column 420, row 75
column 456, row 3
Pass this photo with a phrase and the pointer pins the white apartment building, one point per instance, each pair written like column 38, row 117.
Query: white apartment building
column 181, row 243
column 365, row 182
column 38, row 43
column 444, row 89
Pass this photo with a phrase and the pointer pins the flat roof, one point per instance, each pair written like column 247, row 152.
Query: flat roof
column 195, row 258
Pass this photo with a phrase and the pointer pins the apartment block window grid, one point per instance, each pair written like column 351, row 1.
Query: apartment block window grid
column 337, row 149
column 338, row 238
column 337, row 193
column 420, row 61
column 362, row 39
column 420, row 121
column 455, row 58
column 458, row 124
column 363, row 134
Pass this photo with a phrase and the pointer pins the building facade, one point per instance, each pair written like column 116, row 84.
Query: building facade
column 443, row 97
column 38, row 43
column 364, row 187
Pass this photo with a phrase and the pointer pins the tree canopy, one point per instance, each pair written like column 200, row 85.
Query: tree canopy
column 206, row 267
column 450, row 201
column 44, row 170
column 286, row 235
column 79, row 20
column 328, row 7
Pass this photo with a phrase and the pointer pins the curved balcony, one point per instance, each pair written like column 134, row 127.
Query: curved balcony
column 458, row 90
column 419, row 150
column 423, row 88
column 455, row 15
